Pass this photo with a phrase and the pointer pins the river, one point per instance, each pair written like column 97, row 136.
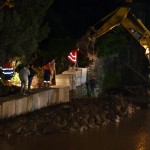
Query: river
column 130, row 134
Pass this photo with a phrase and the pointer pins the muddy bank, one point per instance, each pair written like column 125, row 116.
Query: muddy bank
column 78, row 115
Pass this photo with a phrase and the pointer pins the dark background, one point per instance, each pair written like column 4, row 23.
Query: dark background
column 78, row 15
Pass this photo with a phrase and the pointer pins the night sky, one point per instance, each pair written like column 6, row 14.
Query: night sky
column 78, row 15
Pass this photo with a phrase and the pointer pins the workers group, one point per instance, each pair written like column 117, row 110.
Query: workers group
column 27, row 73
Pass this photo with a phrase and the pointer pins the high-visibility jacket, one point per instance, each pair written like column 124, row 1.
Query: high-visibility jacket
column 8, row 70
column 73, row 56
column 48, row 67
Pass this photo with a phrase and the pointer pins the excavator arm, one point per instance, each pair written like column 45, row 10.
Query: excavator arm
column 138, row 31
column 116, row 18
column 111, row 21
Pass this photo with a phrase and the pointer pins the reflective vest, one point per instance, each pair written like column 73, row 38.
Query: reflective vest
column 8, row 71
column 73, row 56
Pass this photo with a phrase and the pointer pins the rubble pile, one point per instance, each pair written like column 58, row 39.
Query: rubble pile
column 78, row 115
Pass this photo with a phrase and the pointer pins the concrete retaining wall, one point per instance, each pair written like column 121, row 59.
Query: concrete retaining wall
column 22, row 105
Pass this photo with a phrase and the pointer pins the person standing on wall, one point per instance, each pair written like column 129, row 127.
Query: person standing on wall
column 23, row 75
column 47, row 73
column 73, row 58
column 30, row 77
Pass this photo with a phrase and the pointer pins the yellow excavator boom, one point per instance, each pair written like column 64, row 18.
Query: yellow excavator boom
column 116, row 18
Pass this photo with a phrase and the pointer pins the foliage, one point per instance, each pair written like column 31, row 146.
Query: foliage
column 57, row 48
column 111, row 81
column 38, row 71
column 22, row 28
column 15, row 79
column 112, row 42
column 57, row 24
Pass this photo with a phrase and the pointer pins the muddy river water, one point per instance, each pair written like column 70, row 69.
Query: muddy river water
column 130, row 134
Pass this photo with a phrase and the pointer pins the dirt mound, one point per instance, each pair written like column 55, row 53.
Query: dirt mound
column 78, row 115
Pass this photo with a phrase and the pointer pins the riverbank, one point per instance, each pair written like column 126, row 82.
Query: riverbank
column 75, row 116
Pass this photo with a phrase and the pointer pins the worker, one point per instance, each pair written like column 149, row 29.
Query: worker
column 23, row 75
column 47, row 73
column 30, row 77
column 73, row 58
column 53, row 76
column 8, row 70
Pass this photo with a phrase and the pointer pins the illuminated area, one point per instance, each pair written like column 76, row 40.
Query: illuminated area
column 7, row 3
column 147, row 53
column 8, row 73
column 141, row 140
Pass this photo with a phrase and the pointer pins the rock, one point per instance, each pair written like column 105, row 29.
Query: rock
column 117, row 120
column 72, row 129
column 19, row 129
column 78, row 115
column 98, row 119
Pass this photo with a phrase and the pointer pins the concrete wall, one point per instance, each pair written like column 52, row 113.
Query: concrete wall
column 22, row 105
column 72, row 78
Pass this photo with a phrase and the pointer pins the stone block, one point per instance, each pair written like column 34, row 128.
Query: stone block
column 52, row 96
column 83, row 75
column 40, row 100
column 66, row 94
column 29, row 103
column 76, row 76
column 35, row 102
column 61, row 94
column 67, row 80
column 8, row 109
column 21, row 106
column 46, row 100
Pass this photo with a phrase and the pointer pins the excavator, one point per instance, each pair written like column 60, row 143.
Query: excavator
column 120, row 16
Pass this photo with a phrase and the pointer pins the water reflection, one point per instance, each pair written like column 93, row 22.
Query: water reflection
column 141, row 140
column 130, row 134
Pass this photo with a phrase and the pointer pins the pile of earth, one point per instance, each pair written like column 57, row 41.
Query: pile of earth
column 77, row 115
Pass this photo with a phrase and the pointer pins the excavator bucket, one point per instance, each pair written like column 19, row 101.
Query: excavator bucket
column 112, row 20
column 86, row 46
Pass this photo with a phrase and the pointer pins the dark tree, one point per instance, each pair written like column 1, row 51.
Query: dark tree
column 22, row 28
